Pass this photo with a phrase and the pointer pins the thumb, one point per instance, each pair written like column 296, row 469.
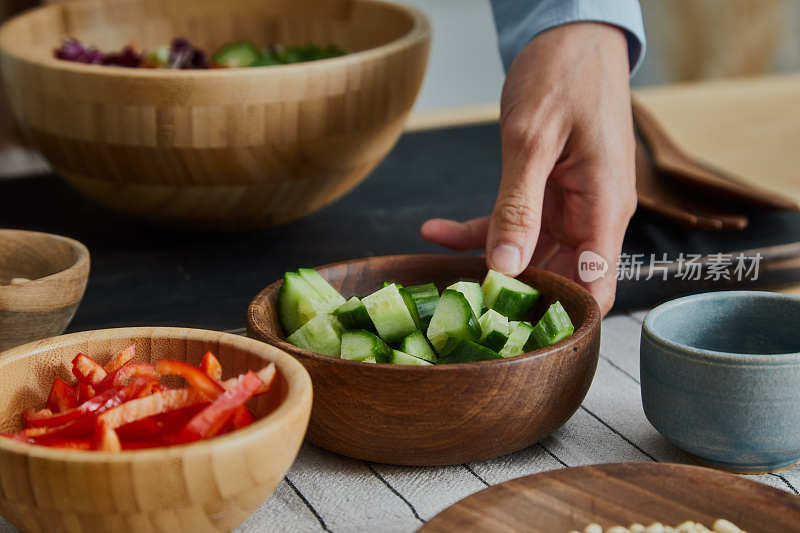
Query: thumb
column 516, row 219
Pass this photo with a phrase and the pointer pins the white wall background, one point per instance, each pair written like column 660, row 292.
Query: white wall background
column 464, row 68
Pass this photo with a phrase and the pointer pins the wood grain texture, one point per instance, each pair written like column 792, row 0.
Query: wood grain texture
column 230, row 148
column 208, row 486
column 58, row 270
column 443, row 414
column 620, row 494
column 745, row 127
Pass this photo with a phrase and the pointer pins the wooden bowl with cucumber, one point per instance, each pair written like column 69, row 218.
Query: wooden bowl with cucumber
column 432, row 359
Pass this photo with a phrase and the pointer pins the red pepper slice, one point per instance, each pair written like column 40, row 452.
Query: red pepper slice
column 126, row 372
column 213, row 418
column 120, row 359
column 97, row 405
column 266, row 375
column 62, row 396
column 105, row 439
column 211, row 366
column 85, row 393
column 60, row 442
column 155, row 404
column 87, row 370
column 242, row 417
column 158, row 425
column 193, row 375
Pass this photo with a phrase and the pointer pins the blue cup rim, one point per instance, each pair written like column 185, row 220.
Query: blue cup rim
column 789, row 358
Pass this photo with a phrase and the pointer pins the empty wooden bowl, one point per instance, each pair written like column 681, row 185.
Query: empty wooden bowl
column 444, row 414
column 42, row 281
column 220, row 148
column 209, row 486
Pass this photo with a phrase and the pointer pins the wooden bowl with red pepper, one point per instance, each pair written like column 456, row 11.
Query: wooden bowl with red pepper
column 449, row 413
column 135, row 429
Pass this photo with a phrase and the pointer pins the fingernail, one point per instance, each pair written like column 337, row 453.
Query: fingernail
column 505, row 258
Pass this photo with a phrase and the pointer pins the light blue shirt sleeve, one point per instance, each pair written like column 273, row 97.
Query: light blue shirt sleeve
column 519, row 21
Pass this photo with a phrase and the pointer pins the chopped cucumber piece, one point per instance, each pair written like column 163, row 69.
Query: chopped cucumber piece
column 508, row 296
column 321, row 334
column 400, row 358
column 515, row 345
column 241, row 54
column 412, row 307
column 328, row 294
column 387, row 283
column 464, row 351
column 472, row 291
column 360, row 345
column 298, row 302
column 554, row 326
column 453, row 317
column 494, row 330
column 425, row 299
column 353, row 315
column 388, row 310
column 417, row 345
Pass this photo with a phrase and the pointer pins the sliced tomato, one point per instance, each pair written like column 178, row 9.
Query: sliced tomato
column 120, row 359
column 195, row 377
column 211, row 366
column 211, row 420
column 62, row 396
column 87, row 370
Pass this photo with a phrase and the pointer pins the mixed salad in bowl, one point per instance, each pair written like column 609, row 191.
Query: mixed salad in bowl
column 182, row 54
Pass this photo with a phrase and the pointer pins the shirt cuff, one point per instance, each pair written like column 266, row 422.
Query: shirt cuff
column 517, row 25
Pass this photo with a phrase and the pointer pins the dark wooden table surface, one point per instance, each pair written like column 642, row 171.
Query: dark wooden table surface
column 143, row 275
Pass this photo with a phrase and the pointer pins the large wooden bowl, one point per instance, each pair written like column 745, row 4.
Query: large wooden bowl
column 210, row 486
column 221, row 148
column 444, row 414
column 58, row 270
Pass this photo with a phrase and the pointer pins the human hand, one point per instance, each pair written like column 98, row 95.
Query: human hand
column 568, row 179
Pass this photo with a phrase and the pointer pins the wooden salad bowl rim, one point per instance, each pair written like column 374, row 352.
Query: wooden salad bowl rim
column 298, row 396
column 78, row 269
column 256, row 324
column 420, row 31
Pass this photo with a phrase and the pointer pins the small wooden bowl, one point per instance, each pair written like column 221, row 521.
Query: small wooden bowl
column 209, row 486
column 220, row 148
column 57, row 269
column 444, row 414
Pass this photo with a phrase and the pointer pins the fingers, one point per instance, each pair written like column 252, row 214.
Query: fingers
column 514, row 225
column 469, row 235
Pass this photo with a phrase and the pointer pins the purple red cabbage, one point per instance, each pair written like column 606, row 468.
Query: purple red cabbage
column 183, row 55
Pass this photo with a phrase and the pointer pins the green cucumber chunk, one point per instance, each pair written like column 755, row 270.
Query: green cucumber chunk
column 554, row 326
column 472, row 291
column 412, row 307
column 401, row 358
column 361, row 345
column 515, row 345
column 425, row 299
column 328, row 294
column 353, row 315
column 387, row 283
column 494, row 330
column 417, row 345
column 388, row 311
column 508, row 296
column 240, row 54
column 464, row 351
column 322, row 334
column 298, row 302
column 453, row 317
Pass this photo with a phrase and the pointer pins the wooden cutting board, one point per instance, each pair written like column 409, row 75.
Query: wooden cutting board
column 561, row 501
column 748, row 128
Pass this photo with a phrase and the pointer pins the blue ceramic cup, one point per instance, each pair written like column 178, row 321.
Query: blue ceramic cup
column 720, row 377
